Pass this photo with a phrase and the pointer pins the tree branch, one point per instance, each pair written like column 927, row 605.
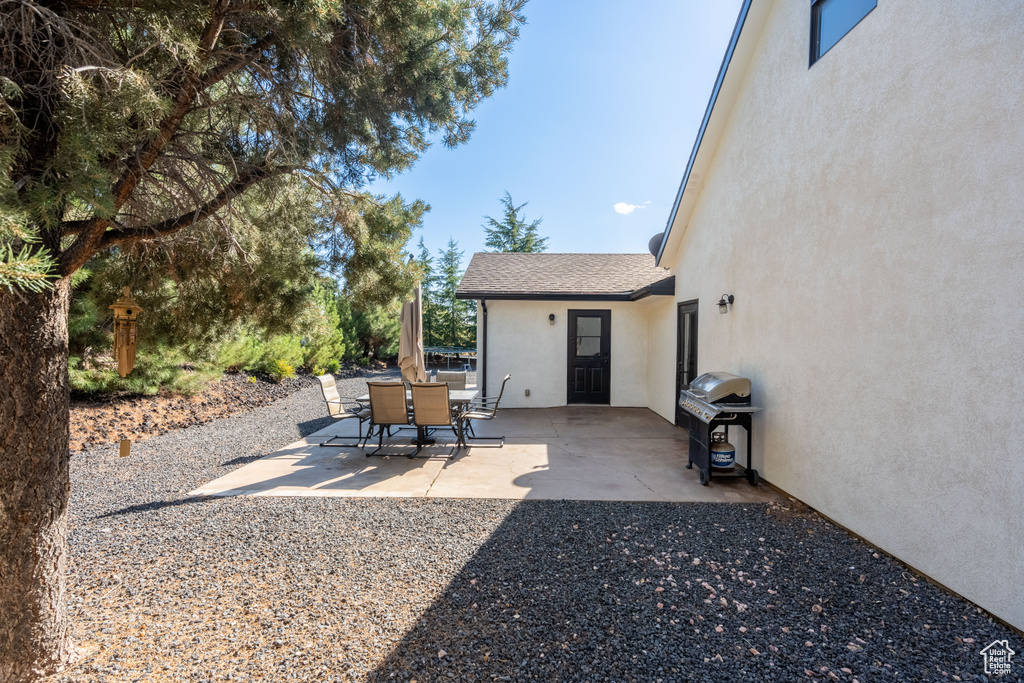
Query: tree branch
column 236, row 62
column 240, row 184
column 91, row 236
column 68, row 228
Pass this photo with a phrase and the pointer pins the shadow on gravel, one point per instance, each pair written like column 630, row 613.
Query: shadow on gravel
column 309, row 426
column 305, row 429
column 154, row 506
column 243, row 460
column 585, row 591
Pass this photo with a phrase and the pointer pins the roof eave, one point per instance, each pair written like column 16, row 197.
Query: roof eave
column 666, row 287
column 663, row 287
column 546, row 296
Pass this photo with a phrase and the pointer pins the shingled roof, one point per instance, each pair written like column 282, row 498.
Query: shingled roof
column 588, row 277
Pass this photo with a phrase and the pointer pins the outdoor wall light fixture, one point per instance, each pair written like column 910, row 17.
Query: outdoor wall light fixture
column 551, row 318
column 723, row 303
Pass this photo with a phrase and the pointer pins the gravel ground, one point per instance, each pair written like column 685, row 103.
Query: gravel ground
column 164, row 586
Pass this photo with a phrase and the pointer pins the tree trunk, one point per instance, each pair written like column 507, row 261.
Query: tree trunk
column 34, row 482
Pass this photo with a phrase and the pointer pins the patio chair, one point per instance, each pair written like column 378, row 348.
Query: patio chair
column 431, row 409
column 482, row 408
column 455, row 380
column 342, row 408
column 388, row 408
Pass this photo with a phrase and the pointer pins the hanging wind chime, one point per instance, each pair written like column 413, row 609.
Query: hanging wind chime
column 125, row 338
column 125, row 313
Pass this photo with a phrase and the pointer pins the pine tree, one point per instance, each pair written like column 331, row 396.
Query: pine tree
column 378, row 329
column 513, row 233
column 427, row 282
column 456, row 328
column 123, row 123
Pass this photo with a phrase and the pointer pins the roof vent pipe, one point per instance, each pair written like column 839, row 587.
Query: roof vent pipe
column 655, row 244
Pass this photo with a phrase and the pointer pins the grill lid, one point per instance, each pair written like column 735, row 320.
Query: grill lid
column 712, row 386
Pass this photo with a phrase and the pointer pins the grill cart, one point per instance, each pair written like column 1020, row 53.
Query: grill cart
column 713, row 400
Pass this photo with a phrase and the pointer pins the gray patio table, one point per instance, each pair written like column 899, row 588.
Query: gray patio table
column 456, row 397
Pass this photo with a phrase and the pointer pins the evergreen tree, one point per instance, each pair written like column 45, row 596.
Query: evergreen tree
column 513, row 233
column 123, row 123
column 427, row 277
column 456, row 328
column 197, row 286
column 378, row 329
column 347, row 325
column 371, row 330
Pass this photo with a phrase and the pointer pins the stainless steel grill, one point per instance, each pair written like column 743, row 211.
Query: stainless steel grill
column 713, row 400
column 716, row 392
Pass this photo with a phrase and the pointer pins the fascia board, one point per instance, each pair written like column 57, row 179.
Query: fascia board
column 544, row 296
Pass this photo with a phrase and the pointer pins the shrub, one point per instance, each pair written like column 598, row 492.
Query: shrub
column 332, row 366
column 319, row 323
column 281, row 370
column 286, row 348
column 240, row 351
column 245, row 350
column 155, row 369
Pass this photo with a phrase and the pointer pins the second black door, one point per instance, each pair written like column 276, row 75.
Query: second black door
column 589, row 356
column 686, row 354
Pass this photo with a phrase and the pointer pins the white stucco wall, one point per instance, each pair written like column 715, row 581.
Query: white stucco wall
column 524, row 343
column 868, row 215
column 661, row 355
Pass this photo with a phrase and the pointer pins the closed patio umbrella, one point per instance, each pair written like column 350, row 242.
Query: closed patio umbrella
column 410, row 344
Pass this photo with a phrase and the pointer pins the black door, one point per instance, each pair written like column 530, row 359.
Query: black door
column 589, row 356
column 686, row 353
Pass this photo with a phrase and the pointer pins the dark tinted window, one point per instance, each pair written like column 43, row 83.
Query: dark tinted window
column 833, row 19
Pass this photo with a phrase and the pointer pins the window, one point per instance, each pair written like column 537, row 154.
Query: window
column 588, row 337
column 833, row 19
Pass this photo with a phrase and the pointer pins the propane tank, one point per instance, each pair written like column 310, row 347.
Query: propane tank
column 723, row 453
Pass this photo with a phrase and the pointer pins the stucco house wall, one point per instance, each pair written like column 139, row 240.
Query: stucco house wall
column 661, row 355
column 524, row 343
column 867, row 214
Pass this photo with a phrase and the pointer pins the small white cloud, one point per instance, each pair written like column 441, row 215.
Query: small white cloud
column 626, row 209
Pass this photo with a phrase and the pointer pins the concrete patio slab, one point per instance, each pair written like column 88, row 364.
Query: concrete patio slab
column 306, row 469
column 571, row 453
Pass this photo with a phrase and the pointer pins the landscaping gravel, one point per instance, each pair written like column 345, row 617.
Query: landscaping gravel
column 164, row 586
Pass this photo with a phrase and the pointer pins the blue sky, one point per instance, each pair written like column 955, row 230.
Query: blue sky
column 603, row 104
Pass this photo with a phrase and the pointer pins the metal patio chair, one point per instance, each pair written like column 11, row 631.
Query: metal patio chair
column 342, row 408
column 431, row 410
column 388, row 408
column 454, row 380
column 481, row 408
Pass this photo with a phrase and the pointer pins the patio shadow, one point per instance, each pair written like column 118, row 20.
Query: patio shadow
column 306, row 469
